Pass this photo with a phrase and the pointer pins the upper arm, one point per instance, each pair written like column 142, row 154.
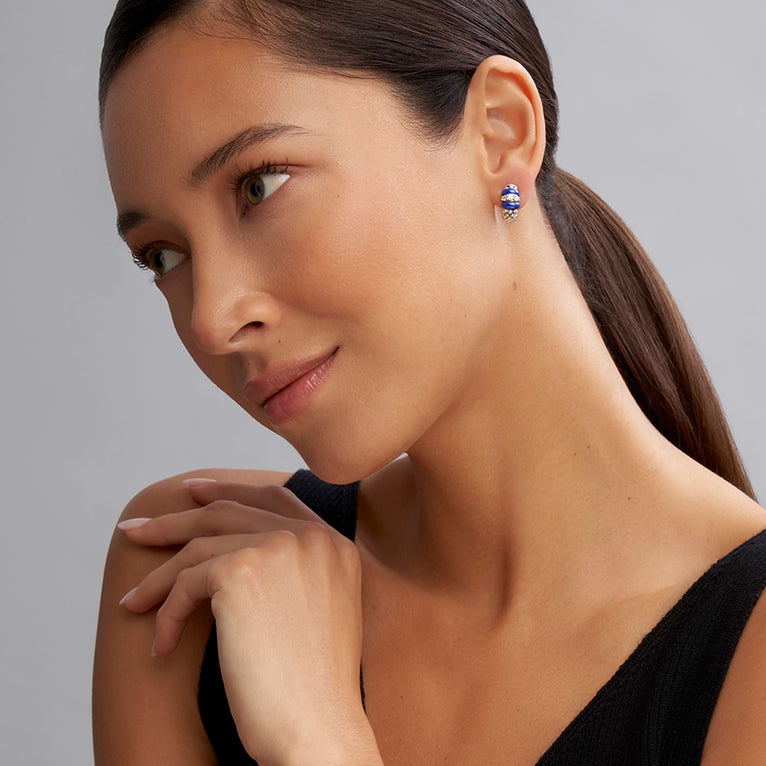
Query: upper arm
column 145, row 708
column 737, row 733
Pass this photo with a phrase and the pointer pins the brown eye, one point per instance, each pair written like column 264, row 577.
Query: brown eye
column 254, row 190
column 155, row 261
column 257, row 187
column 162, row 261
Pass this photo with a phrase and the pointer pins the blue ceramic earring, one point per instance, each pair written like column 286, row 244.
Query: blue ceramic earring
column 511, row 202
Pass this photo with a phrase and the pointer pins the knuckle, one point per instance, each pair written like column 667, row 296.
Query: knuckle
column 196, row 550
column 192, row 549
column 170, row 612
column 220, row 516
column 349, row 549
column 165, row 611
column 350, row 554
column 316, row 533
column 237, row 572
column 282, row 539
column 218, row 506
column 244, row 562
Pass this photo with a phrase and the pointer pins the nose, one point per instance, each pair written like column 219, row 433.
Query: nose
column 230, row 306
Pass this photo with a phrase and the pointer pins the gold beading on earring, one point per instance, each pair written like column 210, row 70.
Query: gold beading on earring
column 510, row 199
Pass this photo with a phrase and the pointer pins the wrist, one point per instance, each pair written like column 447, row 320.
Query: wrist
column 350, row 745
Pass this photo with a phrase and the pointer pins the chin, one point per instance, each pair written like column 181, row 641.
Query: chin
column 336, row 465
column 338, row 469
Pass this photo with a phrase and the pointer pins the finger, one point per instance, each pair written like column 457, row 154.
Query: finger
column 221, row 517
column 159, row 583
column 188, row 592
column 272, row 497
column 197, row 584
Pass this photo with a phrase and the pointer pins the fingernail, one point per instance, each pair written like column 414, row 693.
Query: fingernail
column 132, row 523
column 197, row 482
column 128, row 595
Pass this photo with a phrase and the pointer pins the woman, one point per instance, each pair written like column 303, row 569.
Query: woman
column 521, row 480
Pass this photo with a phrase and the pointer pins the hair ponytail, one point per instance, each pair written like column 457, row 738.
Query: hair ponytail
column 642, row 327
column 428, row 50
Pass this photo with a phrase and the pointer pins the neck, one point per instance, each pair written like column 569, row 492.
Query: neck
column 545, row 486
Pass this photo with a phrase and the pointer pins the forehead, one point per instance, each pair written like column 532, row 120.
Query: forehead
column 186, row 91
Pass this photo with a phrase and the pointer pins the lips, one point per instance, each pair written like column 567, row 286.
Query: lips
column 279, row 376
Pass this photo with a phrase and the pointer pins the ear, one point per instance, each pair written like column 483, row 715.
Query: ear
column 504, row 118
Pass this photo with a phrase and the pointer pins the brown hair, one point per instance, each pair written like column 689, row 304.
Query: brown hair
column 428, row 50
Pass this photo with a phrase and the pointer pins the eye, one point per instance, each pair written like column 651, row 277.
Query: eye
column 160, row 260
column 255, row 187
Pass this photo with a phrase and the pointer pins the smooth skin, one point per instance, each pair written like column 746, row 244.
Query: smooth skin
column 536, row 521
column 264, row 585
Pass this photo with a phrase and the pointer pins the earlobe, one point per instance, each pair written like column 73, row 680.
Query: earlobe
column 504, row 113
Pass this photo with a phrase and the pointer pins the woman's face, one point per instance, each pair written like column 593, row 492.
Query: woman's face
column 343, row 232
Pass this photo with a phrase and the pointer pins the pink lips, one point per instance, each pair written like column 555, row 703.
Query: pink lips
column 286, row 389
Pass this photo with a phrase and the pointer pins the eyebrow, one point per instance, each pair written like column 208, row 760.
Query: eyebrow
column 255, row 134
column 224, row 154
column 129, row 220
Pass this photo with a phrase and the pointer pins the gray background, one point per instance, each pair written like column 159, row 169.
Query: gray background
column 662, row 113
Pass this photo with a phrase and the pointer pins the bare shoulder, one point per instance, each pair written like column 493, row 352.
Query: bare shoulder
column 144, row 708
column 736, row 733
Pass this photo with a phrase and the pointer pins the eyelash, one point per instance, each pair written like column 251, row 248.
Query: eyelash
column 241, row 175
column 235, row 184
column 141, row 258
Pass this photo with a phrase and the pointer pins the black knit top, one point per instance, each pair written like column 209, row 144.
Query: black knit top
column 654, row 711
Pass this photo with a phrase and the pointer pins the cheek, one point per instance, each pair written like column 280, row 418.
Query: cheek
column 411, row 291
column 178, row 295
column 405, row 263
column 358, row 243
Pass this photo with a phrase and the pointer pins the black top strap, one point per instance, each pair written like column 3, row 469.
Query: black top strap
column 656, row 708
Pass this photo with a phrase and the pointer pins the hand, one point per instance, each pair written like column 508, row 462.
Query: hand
column 285, row 590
